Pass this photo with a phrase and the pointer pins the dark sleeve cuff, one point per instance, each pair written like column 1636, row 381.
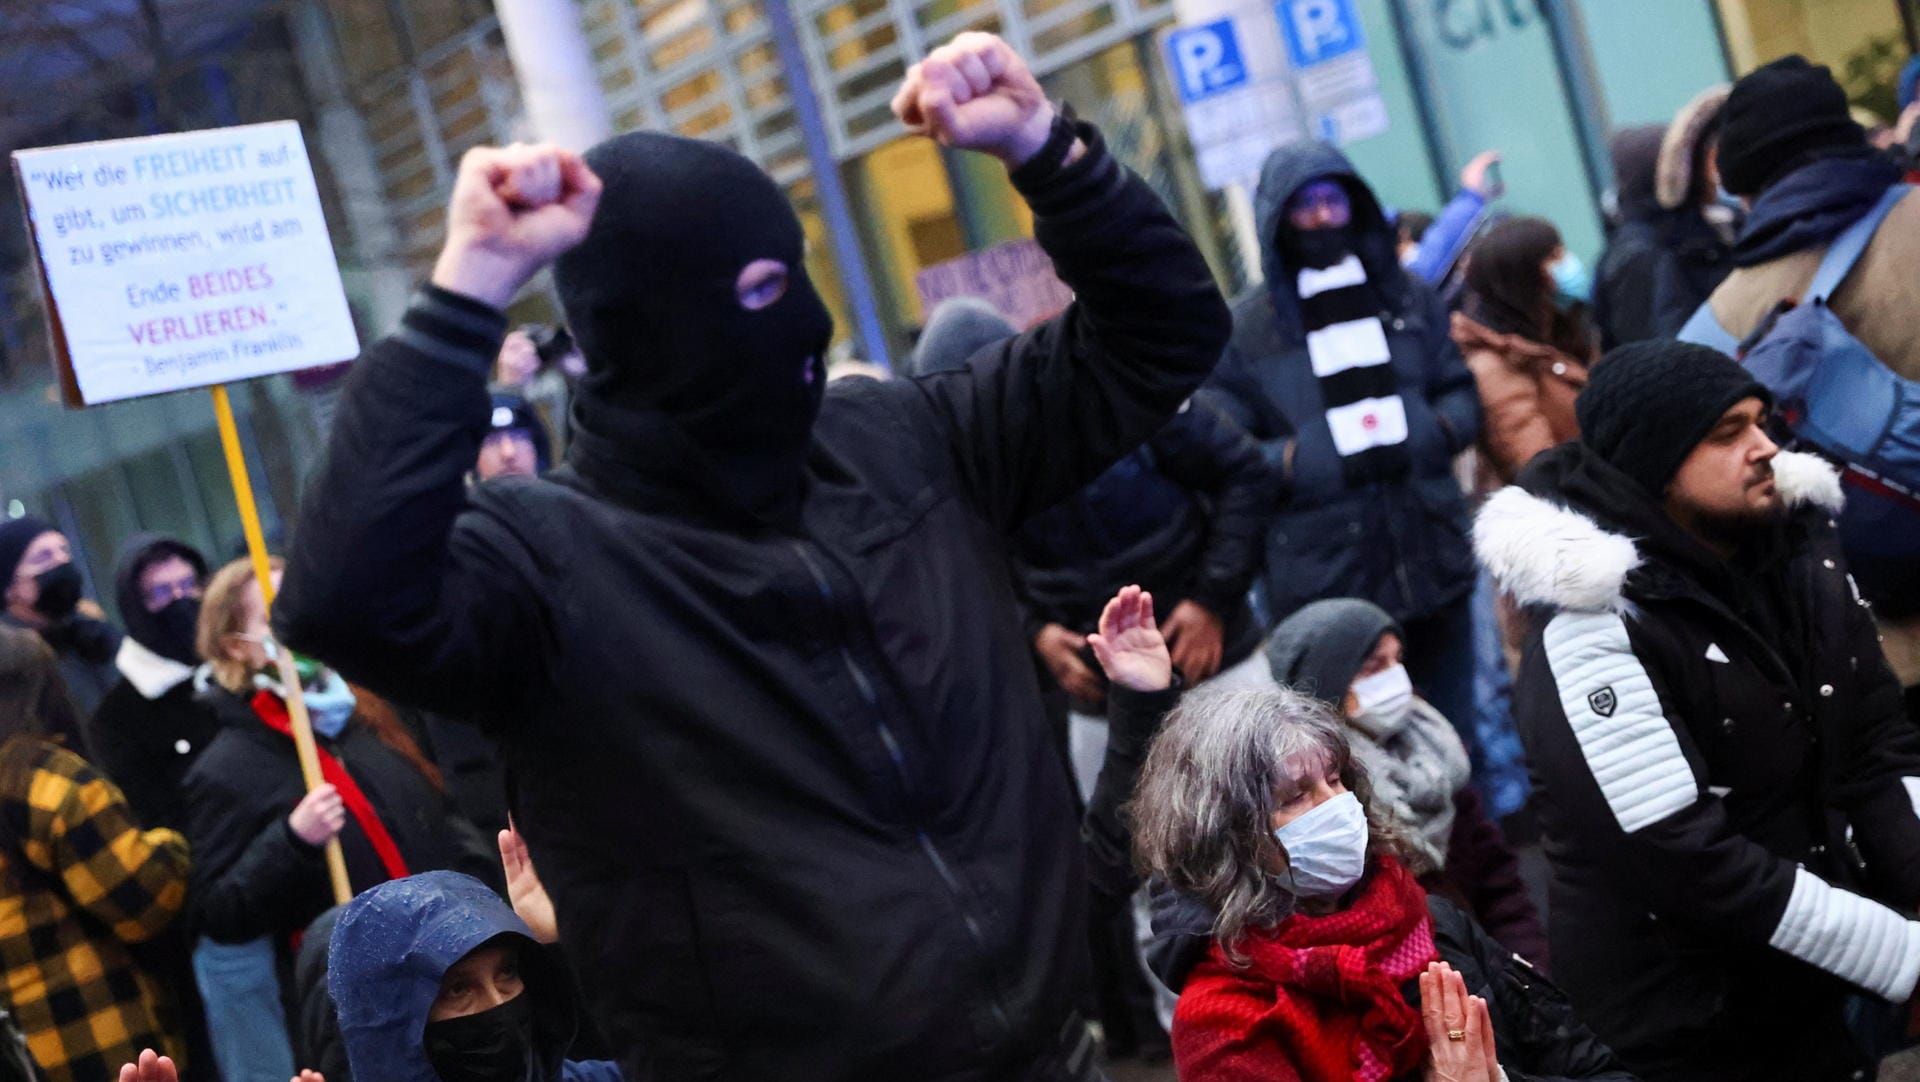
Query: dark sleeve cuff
column 1050, row 188
column 454, row 329
column 1134, row 716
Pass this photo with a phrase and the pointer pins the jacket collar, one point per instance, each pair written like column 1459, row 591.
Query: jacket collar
column 150, row 674
column 1544, row 553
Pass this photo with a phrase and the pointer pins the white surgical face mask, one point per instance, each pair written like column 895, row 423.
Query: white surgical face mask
column 1326, row 848
column 1385, row 699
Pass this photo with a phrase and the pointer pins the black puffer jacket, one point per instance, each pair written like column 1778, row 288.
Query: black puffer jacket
column 1724, row 772
column 1535, row 1028
column 1401, row 544
column 251, row 875
column 790, row 789
column 1184, row 516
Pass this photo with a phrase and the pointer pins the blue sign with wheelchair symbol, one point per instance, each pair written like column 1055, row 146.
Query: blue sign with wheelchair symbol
column 1205, row 60
column 1317, row 31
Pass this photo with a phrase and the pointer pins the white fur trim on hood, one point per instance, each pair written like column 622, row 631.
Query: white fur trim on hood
column 1545, row 554
column 150, row 674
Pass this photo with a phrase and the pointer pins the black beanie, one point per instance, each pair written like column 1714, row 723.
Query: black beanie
column 1648, row 404
column 1778, row 118
column 15, row 535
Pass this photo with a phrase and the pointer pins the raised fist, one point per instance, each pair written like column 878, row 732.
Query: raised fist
column 514, row 209
column 976, row 93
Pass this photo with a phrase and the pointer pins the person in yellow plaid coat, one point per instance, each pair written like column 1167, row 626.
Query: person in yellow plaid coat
column 79, row 881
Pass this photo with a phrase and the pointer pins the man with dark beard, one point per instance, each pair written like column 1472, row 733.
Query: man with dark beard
column 752, row 652
column 1726, row 777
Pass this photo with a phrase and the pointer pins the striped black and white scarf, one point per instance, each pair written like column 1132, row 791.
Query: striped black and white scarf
column 1347, row 346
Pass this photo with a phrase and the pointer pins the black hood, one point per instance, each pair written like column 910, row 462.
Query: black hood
column 140, row 551
column 688, row 394
column 1292, row 168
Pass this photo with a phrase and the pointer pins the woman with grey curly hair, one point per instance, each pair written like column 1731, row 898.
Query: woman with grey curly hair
column 1300, row 942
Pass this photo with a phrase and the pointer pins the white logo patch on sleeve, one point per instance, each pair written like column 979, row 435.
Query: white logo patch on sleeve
column 1617, row 719
column 1714, row 653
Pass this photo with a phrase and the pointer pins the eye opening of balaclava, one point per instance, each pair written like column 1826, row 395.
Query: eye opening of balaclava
column 1323, row 246
column 650, row 298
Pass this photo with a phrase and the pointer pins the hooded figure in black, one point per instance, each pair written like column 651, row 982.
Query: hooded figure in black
column 1343, row 368
column 752, row 651
column 150, row 728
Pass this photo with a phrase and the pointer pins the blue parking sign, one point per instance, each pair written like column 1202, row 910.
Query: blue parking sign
column 1205, row 60
column 1318, row 30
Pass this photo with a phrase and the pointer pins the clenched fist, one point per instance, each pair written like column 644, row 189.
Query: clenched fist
column 976, row 93
column 514, row 209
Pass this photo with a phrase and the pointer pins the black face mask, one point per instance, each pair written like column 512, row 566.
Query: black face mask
column 650, row 297
column 59, row 591
column 1315, row 247
column 173, row 629
column 493, row 1046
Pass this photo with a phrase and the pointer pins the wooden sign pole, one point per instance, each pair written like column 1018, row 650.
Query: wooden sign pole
column 303, row 743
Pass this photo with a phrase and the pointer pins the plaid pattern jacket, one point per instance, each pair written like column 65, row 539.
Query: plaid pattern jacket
column 81, row 881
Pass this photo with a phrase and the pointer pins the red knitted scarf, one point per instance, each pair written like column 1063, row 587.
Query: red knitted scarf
column 274, row 712
column 1336, row 1012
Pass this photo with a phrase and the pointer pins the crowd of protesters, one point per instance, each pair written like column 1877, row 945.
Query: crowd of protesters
column 1284, row 686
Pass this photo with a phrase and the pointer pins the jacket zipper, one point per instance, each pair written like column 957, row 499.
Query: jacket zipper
column 898, row 757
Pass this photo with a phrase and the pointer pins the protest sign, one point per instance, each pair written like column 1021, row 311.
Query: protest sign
column 1016, row 277
column 177, row 261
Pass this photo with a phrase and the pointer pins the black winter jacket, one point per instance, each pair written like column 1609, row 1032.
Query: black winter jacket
column 1400, row 544
column 791, row 791
column 1657, row 268
column 147, row 745
column 1184, row 516
column 1536, row 1030
column 1725, row 775
column 251, row 875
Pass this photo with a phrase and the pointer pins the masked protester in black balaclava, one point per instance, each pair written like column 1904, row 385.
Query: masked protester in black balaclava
column 43, row 591
column 752, row 651
column 685, row 381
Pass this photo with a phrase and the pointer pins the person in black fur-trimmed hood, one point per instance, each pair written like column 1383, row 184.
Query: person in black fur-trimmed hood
column 752, row 651
column 1726, row 775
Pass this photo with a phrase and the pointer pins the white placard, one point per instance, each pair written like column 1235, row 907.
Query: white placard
column 178, row 261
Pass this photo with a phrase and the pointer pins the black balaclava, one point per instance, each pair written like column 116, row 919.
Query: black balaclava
column 494, row 1045
column 169, row 632
column 684, row 386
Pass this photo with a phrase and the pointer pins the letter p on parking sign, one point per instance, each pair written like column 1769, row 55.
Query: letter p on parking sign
column 1205, row 60
column 1318, row 30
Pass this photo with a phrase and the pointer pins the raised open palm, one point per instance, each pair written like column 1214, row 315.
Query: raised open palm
column 1129, row 645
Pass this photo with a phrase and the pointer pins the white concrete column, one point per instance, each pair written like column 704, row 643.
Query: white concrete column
column 558, row 84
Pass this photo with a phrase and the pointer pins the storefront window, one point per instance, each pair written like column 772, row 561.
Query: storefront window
column 1651, row 56
column 1497, row 86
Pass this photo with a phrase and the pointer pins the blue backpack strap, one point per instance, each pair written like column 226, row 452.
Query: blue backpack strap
column 1845, row 250
column 1704, row 329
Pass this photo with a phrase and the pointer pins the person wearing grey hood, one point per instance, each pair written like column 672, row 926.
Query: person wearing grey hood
column 1348, row 654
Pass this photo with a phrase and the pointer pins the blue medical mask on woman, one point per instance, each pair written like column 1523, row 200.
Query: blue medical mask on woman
column 1572, row 282
column 1326, row 848
column 329, row 704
